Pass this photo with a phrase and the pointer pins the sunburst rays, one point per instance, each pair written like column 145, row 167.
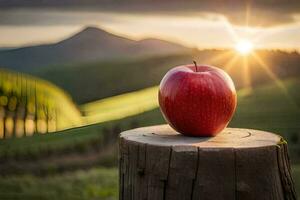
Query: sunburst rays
column 274, row 78
column 266, row 68
column 219, row 58
column 246, row 73
column 229, row 65
column 232, row 58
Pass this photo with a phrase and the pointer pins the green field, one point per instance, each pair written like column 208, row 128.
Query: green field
column 273, row 107
column 99, row 183
column 102, row 79
column 268, row 107
column 120, row 106
column 91, row 145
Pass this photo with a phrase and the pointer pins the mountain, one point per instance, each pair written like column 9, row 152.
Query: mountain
column 88, row 45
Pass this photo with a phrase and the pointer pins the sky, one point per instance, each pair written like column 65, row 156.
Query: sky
column 272, row 25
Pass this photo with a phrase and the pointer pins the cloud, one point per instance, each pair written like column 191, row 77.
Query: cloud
column 213, row 24
column 260, row 12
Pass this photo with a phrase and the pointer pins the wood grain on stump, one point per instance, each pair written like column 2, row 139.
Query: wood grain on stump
column 157, row 163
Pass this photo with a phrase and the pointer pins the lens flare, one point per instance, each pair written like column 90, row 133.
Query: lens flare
column 244, row 47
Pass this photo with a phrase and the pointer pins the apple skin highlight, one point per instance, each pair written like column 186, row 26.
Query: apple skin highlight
column 197, row 100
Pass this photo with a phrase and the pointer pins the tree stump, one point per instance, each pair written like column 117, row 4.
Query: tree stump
column 157, row 163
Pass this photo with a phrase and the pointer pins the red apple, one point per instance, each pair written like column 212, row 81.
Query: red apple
column 197, row 100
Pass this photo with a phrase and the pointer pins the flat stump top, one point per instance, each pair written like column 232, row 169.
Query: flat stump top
column 164, row 135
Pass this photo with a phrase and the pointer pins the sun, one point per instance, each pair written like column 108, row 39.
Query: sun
column 244, row 47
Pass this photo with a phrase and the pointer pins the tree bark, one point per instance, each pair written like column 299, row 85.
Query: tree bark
column 158, row 163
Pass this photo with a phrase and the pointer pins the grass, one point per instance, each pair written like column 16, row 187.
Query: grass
column 36, row 145
column 120, row 106
column 270, row 108
column 266, row 108
column 99, row 183
column 296, row 177
column 73, row 139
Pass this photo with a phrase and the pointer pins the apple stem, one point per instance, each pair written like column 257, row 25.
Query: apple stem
column 195, row 65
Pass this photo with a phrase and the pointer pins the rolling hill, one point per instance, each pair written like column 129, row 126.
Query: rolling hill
column 120, row 106
column 31, row 105
column 95, row 64
column 100, row 79
column 265, row 107
column 88, row 45
column 93, row 81
column 277, row 112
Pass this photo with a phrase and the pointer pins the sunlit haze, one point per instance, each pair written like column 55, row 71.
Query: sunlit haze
column 244, row 47
column 209, row 30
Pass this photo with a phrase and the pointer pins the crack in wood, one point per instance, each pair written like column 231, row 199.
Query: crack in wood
column 248, row 134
